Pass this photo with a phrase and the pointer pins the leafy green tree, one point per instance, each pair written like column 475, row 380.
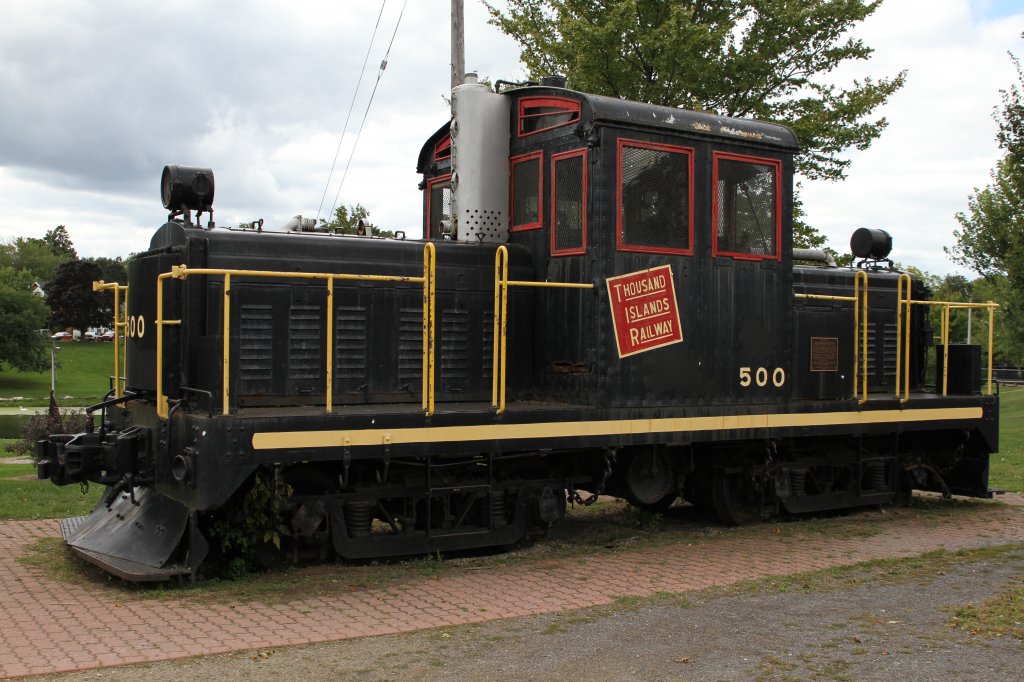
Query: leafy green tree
column 990, row 240
column 33, row 256
column 22, row 313
column 346, row 219
column 72, row 301
column 767, row 59
column 112, row 269
column 60, row 244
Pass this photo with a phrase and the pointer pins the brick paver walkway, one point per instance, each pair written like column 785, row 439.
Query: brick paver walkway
column 46, row 627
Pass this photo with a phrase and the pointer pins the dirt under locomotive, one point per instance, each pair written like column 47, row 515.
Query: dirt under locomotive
column 606, row 300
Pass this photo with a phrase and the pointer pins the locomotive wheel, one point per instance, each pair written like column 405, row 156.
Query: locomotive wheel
column 734, row 496
column 650, row 481
column 309, row 518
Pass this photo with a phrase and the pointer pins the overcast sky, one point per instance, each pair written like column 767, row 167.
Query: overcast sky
column 97, row 96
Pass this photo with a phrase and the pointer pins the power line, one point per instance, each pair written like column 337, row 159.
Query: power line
column 351, row 106
column 380, row 72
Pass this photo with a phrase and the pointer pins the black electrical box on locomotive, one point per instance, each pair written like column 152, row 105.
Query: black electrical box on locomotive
column 606, row 300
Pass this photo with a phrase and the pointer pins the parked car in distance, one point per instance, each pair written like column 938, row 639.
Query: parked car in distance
column 89, row 336
column 62, row 336
column 106, row 336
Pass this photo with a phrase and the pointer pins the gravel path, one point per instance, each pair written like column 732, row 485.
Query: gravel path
column 878, row 629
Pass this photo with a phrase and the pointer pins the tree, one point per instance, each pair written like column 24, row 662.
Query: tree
column 112, row 269
column 60, row 244
column 21, row 315
column 72, row 301
column 766, row 59
column 990, row 240
column 32, row 256
column 346, row 219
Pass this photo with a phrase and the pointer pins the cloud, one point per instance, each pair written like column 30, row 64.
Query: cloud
column 940, row 142
column 99, row 96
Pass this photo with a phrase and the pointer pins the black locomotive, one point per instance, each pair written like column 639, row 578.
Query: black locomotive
column 606, row 300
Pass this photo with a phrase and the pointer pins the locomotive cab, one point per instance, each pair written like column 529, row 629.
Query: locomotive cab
column 597, row 188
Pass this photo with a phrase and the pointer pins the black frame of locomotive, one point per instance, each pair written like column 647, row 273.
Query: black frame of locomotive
column 384, row 474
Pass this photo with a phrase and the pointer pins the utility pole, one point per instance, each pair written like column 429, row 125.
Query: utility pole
column 458, row 45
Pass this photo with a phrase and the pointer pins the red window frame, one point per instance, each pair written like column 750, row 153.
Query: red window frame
column 676, row 149
column 430, row 186
column 571, row 106
column 522, row 158
column 555, row 158
column 777, row 167
column 443, row 149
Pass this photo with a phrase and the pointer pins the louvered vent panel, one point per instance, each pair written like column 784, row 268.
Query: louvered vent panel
column 454, row 347
column 487, row 355
column 410, row 347
column 304, row 344
column 350, row 342
column 255, row 353
column 888, row 353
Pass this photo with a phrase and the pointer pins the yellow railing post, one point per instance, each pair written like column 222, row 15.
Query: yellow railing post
column 500, row 328
column 860, row 339
column 120, row 365
column 991, row 340
column 161, row 399
column 429, row 322
column 945, row 349
column 903, row 337
column 330, row 344
column 226, row 408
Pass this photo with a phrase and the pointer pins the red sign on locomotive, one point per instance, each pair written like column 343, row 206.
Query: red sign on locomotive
column 644, row 310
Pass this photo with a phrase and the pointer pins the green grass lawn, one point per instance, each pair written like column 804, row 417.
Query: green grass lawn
column 23, row 496
column 1006, row 468
column 83, row 372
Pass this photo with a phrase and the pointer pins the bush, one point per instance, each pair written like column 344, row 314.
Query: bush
column 40, row 426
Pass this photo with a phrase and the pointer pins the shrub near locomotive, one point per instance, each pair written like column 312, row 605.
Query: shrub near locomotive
column 606, row 300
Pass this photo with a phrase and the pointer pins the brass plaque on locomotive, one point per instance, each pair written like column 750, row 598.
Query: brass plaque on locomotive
column 824, row 354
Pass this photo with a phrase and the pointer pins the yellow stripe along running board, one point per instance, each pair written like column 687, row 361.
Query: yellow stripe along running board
column 275, row 440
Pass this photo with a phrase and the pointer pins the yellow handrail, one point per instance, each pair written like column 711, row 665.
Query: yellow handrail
column 501, row 285
column 860, row 303
column 862, row 349
column 182, row 272
column 119, row 327
column 947, row 308
column 903, row 303
column 429, row 321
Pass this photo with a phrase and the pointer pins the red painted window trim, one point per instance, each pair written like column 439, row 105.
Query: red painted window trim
column 571, row 106
column 583, row 199
column 443, row 149
column 512, row 190
column 777, row 166
column 430, row 186
column 689, row 152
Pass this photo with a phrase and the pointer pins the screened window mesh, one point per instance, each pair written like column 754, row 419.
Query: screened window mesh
column 746, row 207
column 655, row 210
column 567, row 213
column 440, row 207
column 526, row 192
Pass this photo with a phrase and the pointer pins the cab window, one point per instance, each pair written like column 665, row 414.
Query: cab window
column 568, row 203
column 746, row 206
column 654, row 200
